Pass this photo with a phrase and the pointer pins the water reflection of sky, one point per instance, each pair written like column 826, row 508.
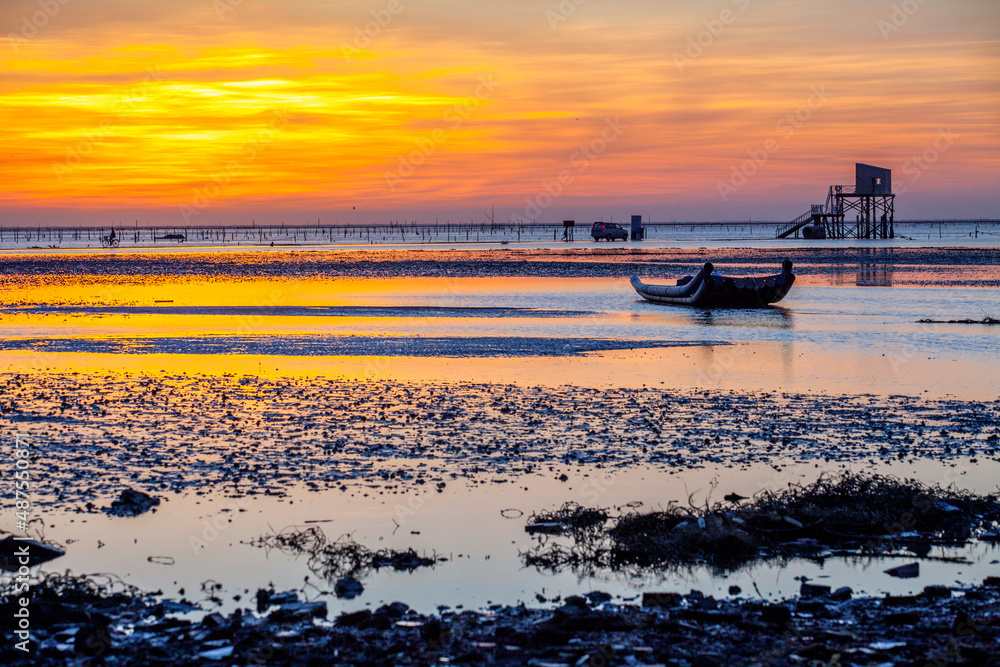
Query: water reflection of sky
column 848, row 331
column 482, row 548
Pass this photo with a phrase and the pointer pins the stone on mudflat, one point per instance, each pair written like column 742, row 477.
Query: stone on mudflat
column 902, row 618
column 348, row 588
column 808, row 590
column 12, row 551
column 936, row 592
column 215, row 620
column 354, row 618
column 842, row 594
column 132, row 503
column 908, row 571
column 778, row 614
column 393, row 610
column 597, row 597
column 661, row 599
column 298, row 611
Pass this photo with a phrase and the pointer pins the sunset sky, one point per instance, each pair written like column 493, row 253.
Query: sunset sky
column 206, row 111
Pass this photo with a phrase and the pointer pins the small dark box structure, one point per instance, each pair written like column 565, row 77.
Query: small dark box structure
column 568, row 227
column 638, row 233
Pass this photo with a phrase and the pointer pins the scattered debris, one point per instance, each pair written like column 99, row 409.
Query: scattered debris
column 161, row 560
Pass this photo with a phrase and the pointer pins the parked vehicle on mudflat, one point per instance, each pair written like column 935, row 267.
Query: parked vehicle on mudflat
column 608, row 231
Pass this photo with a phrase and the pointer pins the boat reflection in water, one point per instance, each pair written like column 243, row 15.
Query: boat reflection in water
column 775, row 317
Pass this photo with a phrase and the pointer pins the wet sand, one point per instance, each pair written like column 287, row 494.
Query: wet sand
column 931, row 266
column 245, row 435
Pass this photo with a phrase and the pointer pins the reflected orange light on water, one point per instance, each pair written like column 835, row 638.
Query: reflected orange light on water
column 178, row 291
column 798, row 368
column 306, row 327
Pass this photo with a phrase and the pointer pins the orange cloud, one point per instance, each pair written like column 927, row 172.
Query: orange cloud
column 280, row 105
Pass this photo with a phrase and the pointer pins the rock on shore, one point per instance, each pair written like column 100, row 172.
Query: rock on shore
column 960, row 628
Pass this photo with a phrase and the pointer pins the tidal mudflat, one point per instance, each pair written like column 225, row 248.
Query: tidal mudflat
column 434, row 401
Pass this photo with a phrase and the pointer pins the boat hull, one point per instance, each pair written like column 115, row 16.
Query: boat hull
column 709, row 290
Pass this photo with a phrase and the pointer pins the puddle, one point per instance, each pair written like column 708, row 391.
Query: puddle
column 466, row 526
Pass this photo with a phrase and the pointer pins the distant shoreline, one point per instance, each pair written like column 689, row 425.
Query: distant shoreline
column 580, row 224
column 142, row 238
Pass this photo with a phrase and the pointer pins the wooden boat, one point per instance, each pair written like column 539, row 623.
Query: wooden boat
column 707, row 289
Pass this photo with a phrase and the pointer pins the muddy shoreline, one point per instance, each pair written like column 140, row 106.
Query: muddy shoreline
column 969, row 267
column 942, row 625
column 164, row 433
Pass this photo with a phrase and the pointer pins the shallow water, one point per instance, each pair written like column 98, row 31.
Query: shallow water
column 568, row 330
column 133, row 381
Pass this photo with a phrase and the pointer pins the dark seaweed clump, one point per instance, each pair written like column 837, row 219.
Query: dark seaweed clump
column 845, row 514
column 967, row 320
column 341, row 557
column 68, row 588
column 67, row 598
column 571, row 517
column 852, row 507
